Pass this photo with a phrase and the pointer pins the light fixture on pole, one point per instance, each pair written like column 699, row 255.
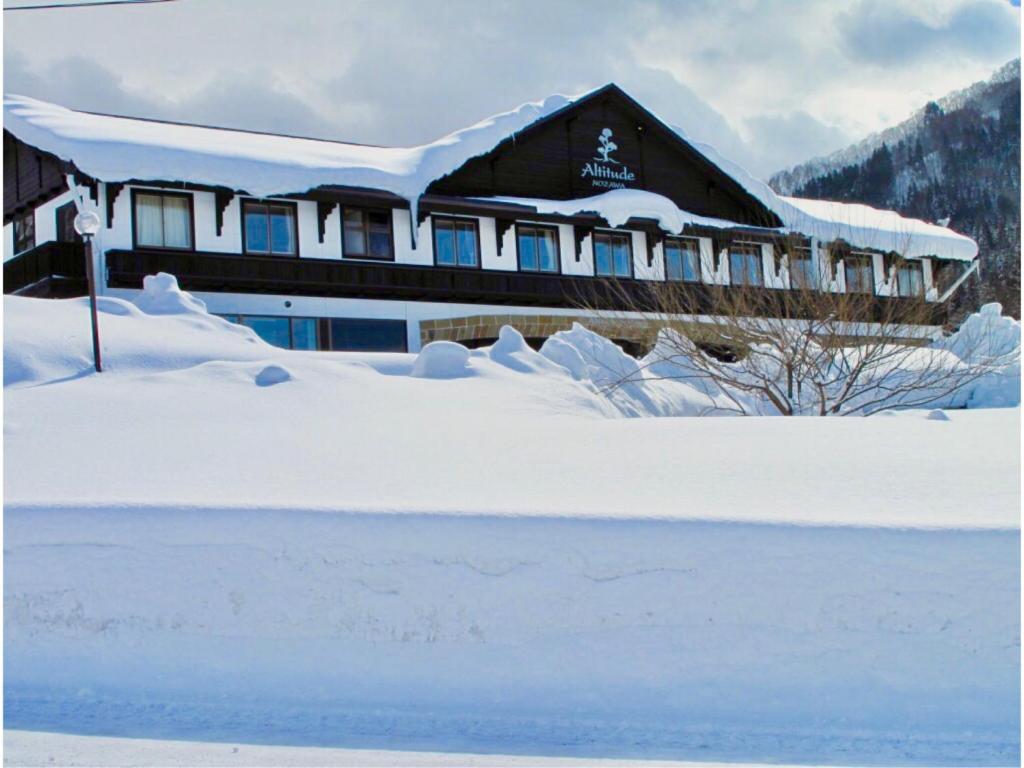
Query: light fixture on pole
column 87, row 224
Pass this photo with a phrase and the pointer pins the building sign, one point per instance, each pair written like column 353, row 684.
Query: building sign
column 603, row 170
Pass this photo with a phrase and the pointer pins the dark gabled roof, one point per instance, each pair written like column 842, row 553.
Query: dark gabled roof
column 652, row 122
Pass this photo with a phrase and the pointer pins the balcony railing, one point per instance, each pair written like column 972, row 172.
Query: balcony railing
column 52, row 269
column 236, row 273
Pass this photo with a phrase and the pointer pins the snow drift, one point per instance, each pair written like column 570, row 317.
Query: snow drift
column 218, row 539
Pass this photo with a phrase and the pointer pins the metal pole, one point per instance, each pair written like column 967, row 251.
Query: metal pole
column 92, row 305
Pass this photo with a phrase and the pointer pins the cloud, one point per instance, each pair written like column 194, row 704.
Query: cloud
column 886, row 33
column 765, row 83
column 792, row 138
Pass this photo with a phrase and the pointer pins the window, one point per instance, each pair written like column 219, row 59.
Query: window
column 613, row 254
column 24, row 231
column 358, row 335
column 682, row 260
column 745, row 266
column 456, row 242
column 538, row 248
column 801, row 270
column 910, row 279
column 860, row 277
column 162, row 220
column 366, row 234
column 269, row 228
column 284, row 332
column 66, row 224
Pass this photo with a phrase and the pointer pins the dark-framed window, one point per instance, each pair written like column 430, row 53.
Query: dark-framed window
column 537, row 247
column 910, row 279
column 351, row 334
column 456, row 242
column 270, row 227
column 682, row 259
column 65, row 215
column 284, row 332
column 860, row 273
column 162, row 220
column 613, row 254
column 24, row 231
column 802, row 276
column 745, row 264
column 367, row 234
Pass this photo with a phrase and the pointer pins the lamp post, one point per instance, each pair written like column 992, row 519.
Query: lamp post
column 87, row 224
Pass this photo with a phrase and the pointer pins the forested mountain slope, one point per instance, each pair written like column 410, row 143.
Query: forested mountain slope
column 956, row 159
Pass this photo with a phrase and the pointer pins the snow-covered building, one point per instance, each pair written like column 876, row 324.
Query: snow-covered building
column 333, row 245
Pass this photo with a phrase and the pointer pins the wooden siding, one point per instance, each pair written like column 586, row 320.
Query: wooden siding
column 52, row 270
column 216, row 272
column 548, row 160
column 31, row 177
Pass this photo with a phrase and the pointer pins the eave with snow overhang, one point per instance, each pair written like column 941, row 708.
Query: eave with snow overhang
column 597, row 162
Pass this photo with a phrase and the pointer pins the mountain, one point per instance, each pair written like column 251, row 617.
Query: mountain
column 957, row 158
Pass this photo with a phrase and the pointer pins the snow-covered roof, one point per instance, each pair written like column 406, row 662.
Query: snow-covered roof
column 117, row 149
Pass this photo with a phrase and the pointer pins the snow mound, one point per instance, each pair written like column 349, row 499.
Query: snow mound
column 49, row 340
column 162, row 296
column 441, row 360
column 271, row 375
column 512, row 351
column 937, row 415
column 988, row 337
column 633, row 386
column 603, row 361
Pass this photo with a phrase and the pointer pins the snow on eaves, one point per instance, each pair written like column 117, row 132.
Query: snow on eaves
column 117, row 149
column 859, row 225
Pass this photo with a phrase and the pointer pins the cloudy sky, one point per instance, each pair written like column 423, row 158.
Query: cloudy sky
column 770, row 83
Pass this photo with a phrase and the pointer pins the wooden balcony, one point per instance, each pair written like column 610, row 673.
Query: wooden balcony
column 51, row 270
column 217, row 272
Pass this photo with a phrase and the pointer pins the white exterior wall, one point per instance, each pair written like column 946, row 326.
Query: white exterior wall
column 772, row 279
column 885, row 280
column 641, row 270
column 931, row 291
column 570, row 266
column 8, row 241
column 119, row 236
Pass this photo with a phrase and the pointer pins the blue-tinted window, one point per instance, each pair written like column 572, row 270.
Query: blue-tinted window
column 284, row 332
column 538, row 248
column 860, row 277
column 273, row 330
column 456, row 243
column 304, row 333
column 801, row 270
column 745, row 265
column 367, row 234
column 612, row 254
column 910, row 279
column 682, row 260
column 270, row 228
column 357, row 335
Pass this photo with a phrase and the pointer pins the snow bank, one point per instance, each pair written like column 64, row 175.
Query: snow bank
column 988, row 336
column 619, row 638
column 351, row 554
column 165, row 329
column 441, row 360
column 162, row 296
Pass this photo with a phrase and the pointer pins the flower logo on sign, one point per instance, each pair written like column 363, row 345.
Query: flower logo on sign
column 606, row 146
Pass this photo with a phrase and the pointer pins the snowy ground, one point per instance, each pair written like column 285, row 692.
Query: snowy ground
column 220, row 541
column 30, row 748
